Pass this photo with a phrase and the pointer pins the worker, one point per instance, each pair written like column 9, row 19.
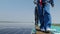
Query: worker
column 44, row 13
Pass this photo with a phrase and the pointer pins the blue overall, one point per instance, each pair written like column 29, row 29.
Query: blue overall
column 44, row 16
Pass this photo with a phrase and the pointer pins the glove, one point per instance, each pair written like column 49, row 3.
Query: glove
column 52, row 5
column 35, row 2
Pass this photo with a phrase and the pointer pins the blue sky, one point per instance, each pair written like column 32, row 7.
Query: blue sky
column 23, row 10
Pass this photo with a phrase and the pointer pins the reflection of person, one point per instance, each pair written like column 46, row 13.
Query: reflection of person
column 44, row 13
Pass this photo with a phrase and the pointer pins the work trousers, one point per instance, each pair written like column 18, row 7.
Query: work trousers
column 44, row 16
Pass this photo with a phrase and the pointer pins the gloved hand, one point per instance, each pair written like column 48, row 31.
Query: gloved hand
column 35, row 2
column 52, row 5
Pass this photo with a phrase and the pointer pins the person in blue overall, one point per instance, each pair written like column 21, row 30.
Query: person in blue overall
column 44, row 14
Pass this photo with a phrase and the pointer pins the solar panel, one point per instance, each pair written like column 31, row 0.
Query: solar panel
column 15, row 31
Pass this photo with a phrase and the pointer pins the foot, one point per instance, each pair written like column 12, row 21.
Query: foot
column 48, row 30
column 42, row 30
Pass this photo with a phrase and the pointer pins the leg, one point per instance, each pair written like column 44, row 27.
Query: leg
column 36, row 16
column 41, row 17
column 47, row 17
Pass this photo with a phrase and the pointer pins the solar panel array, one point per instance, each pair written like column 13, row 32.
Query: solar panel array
column 15, row 31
